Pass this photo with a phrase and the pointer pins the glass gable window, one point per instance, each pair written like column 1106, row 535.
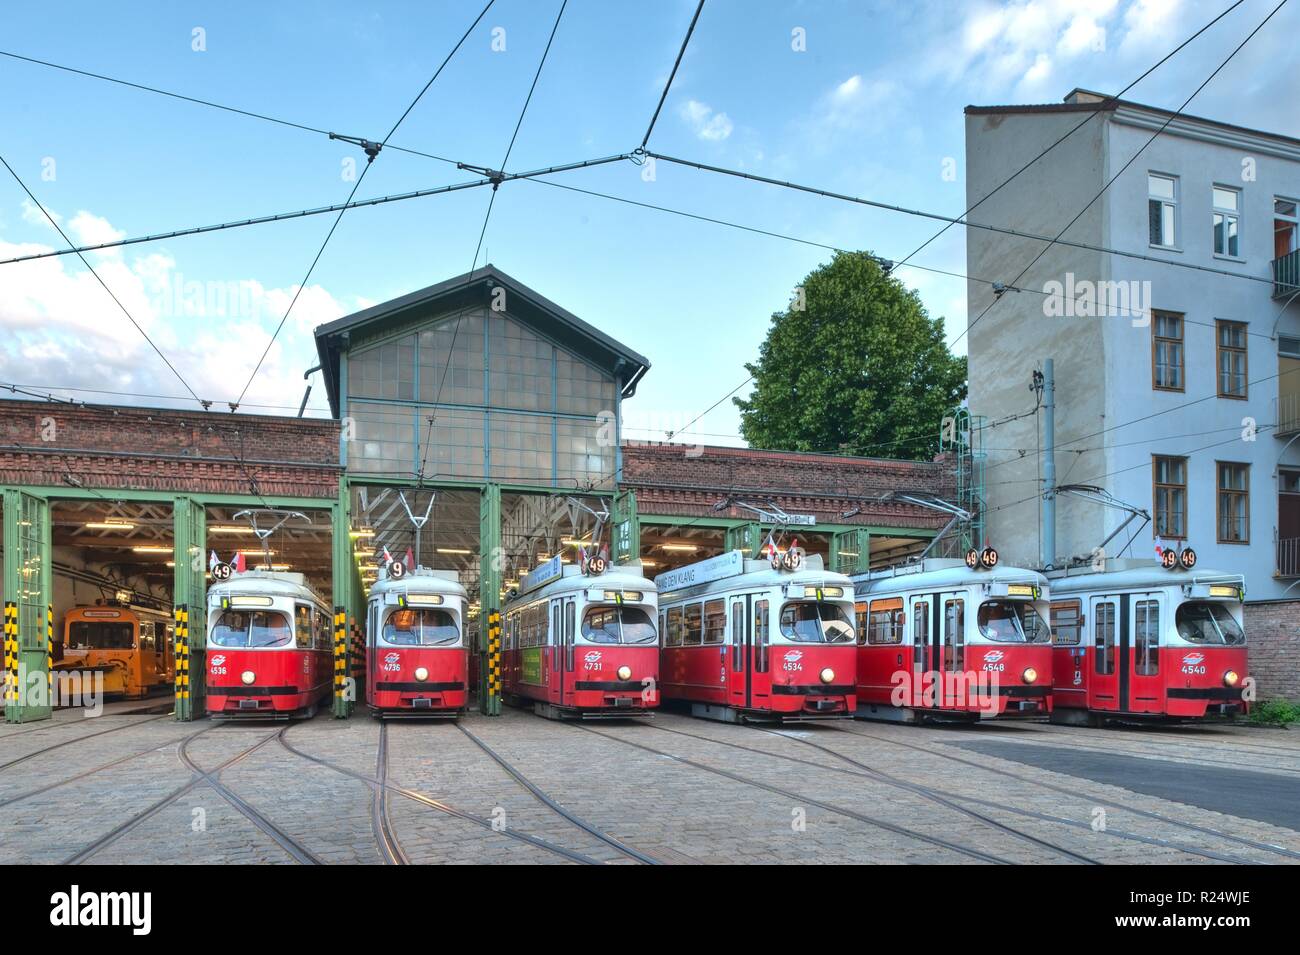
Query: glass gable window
column 507, row 405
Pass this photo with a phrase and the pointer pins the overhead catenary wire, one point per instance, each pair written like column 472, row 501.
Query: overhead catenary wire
column 1110, row 100
column 131, row 318
column 251, row 114
column 1132, row 159
column 690, row 30
column 355, row 186
column 442, row 379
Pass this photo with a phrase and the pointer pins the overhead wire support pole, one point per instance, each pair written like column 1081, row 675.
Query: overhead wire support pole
column 669, row 85
column 319, row 210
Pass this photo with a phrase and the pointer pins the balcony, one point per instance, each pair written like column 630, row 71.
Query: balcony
column 1286, row 275
column 1286, row 412
column 1288, row 557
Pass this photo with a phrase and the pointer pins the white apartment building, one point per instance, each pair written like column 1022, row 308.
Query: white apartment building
column 1177, row 389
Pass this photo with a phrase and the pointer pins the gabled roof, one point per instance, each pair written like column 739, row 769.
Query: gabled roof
column 523, row 304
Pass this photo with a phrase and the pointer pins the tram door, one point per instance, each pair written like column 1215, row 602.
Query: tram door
column 952, row 650
column 919, row 614
column 1145, row 693
column 557, row 684
column 1104, row 673
column 747, row 642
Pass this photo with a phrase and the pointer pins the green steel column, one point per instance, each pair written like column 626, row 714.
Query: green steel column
column 345, row 600
column 189, row 599
column 27, row 589
column 746, row 536
column 627, row 527
column 489, row 597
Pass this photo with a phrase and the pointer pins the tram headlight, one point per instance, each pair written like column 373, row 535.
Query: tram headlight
column 1231, row 678
column 248, row 676
column 1030, row 675
column 625, row 673
column 421, row 674
column 827, row 675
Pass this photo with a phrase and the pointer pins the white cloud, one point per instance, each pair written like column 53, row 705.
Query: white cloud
column 34, row 216
column 65, row 331
column 90, row 229
column 707, row 124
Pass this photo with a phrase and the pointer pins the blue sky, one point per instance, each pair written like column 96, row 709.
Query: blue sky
column 871, row 107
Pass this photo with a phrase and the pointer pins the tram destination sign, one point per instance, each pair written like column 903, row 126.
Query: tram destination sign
column 542, row 574
column 805, row 520
column 715, row 568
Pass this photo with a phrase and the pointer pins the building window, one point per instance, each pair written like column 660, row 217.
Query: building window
column 1234, row 503
column 1231, row 354
column 1170, row 496
column 1162, row 210
column 1227, row 211
column 1286, row 235
column 1167, row 355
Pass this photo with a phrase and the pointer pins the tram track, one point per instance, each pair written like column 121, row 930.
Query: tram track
column 10, row 800
column 1222, row 744
column 934, row 795
column 442, row 807
column 390, row 849
column 551, row 804
column 296, row 850
column 804, row 799
column 82, row 738
column 1092, row 799
column 118, row 831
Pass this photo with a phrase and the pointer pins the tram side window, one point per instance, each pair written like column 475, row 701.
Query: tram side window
column 885, row 624
column 1146, row 643
column 694, row 626
column 1104, row 639
column 1066, row 624
column 760, row 636
column 861, row 621
column 673, row 635
column 954, row 635
column 715, row 621
column 323, row 636
column 146, row 636
column 302, row 634
column 97, row 635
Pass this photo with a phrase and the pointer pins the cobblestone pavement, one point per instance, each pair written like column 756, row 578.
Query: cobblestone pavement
column 115, row 789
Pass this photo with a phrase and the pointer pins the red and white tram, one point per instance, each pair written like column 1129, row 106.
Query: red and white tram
column 1136, row 639
column 269, row 646
column 749, row 640
column 417, row 662
column 953, row 639
column 581, row 640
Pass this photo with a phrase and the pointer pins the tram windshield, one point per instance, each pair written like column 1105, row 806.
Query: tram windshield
column 252, row 628
column 1012, row 621
column 618, row 625
column 1200, row 621
column 425, row 627
column 812, row 621
column 99, row 635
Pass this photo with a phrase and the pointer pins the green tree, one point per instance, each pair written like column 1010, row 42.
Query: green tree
column 854, row 366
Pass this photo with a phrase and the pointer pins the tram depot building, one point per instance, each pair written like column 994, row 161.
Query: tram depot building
column 478, row 395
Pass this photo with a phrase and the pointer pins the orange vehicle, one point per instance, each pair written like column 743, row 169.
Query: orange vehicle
column 130, row 646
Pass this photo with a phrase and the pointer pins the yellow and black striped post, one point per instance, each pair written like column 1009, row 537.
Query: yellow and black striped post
column 49, row 650
column 11, row 654
column 493, row 681
column 358, row 661
column 181, row 636
column 340, row 662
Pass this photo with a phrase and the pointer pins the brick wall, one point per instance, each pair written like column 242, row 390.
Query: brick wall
column 102, row 446
column 1273, row 636
column 670, row 479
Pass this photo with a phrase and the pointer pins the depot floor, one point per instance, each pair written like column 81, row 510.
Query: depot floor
column 130, row 787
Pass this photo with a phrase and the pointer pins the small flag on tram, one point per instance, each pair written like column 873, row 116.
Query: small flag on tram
column 410, row 559
column 238, row 563
column 213, row 560
column 388, row 558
